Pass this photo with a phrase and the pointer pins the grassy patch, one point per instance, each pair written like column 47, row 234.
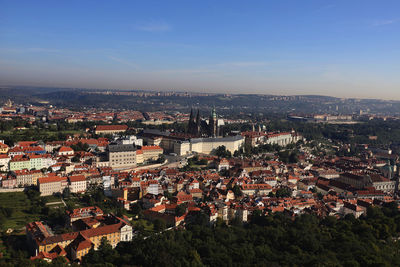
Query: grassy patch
column 55, row 206
column 50, row 199
column 20, row 205
column 144, row 226
column 36, row 134
column 10, row 244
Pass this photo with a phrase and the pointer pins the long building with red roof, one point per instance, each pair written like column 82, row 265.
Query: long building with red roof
column 110, row 129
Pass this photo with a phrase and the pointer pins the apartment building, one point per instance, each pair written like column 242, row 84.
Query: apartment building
column 77, row 183
column 52, row 184
column 122, row 156
column 19, row 163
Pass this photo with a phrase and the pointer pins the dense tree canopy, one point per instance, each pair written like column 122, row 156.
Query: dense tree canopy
column 221, row 152
column 268, row 240
column 273, row 240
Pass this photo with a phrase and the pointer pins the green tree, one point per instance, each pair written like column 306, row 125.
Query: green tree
column 237, row 191
column 283, row 192
column 221, row 152
column 136, row 209
column 180, row 209
column 66, row 193
column 104, row 255
column 159, row 225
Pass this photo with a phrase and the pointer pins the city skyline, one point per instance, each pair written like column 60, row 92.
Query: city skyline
column 333, row 48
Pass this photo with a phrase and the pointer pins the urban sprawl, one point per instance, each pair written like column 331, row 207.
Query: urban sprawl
column 112, row 178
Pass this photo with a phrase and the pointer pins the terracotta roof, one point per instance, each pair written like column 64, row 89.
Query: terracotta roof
column 99, row 231
column 81, row 242
column 16, row 149
column 51, row 179
column 33, row 148
column 2, row 145
column 85, row 211
column 65, row 149
column 45, row 255
column 77, row 178
column 26, row 143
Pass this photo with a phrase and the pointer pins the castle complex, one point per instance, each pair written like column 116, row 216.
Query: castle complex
column 201, row 128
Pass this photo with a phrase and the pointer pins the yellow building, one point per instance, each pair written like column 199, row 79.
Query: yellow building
column 42, row 240
column 151, row 152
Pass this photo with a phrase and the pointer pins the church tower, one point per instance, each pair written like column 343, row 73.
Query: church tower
column 213, row 124
column 198, row 123
column 191, row 126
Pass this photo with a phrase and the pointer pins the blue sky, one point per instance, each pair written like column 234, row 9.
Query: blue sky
column 346, row 48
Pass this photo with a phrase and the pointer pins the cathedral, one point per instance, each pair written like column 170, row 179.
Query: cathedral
column 200, row 128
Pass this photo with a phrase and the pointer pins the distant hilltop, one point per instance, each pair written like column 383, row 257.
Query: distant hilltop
column 178, row 101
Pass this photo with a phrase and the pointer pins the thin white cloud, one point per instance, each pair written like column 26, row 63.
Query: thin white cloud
column 124, row 62
column 184, row 71
column 378, row 23
column 218, row 68
column 153, row 27
column 46, row 50
column 30, row 50
column 242, row 64
column 158, row 44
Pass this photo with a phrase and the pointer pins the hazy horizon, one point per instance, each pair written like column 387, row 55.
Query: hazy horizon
column 61, row 88
column 333, row 48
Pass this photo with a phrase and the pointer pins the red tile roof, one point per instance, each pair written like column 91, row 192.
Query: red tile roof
column 77, row 178
column 26, row 143
column 3, row 145
column 65, row 149
column 51, row 179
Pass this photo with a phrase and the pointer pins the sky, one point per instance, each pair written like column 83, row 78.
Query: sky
column 343, row 48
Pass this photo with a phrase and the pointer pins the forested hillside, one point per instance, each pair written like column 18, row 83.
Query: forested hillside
column 274, row 240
